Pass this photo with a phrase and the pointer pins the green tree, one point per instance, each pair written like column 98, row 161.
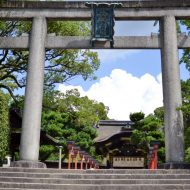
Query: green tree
column 147, row 129
column 68, row 116
column 186, row 52
column 4, row 129
column 61, row 65
column 71, row 117
column 185, row 86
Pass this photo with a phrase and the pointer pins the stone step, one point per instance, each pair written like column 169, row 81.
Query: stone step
column 93, row 181
column 40, row 170
column 100, row 171
column 94, row 187
column 110, row 179
column 140, row 171
column 93, row 176
column 96, row 181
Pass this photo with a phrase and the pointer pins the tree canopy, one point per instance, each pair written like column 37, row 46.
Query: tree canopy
column 60, row 65
column 71, row 117
column 147, row 129
column 185, row 86
column 4, row 127
column 186, row 52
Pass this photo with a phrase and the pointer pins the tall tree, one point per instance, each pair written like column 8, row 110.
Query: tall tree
column 185, row 86
column 186, row 52
column 61, row 65
column 147, row 129
column 68, row 116
column 71, row 117
column 4, row 128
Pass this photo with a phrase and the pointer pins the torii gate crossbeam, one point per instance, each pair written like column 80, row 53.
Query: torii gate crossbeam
column 78, row 42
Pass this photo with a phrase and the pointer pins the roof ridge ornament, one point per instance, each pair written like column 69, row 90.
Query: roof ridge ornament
column 103, row 21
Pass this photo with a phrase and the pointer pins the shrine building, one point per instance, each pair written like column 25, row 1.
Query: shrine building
column 114, row 144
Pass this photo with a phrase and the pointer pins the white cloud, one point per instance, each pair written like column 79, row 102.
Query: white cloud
column 124, row 93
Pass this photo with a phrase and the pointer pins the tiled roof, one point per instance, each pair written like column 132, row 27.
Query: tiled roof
column 108, row 128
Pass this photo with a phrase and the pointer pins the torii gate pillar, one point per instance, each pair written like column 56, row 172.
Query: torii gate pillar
column 31, row 124
column 173, row 118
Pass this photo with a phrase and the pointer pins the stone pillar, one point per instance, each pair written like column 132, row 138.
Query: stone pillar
column 60, row 155
column 173, row 118
column 31, row 123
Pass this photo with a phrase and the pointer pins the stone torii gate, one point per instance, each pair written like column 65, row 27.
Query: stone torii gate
column 168, row 42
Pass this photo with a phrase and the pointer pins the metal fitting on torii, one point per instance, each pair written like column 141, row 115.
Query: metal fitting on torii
column 103, row 22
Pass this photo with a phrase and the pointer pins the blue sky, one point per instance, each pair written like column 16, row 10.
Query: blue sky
column 128, row 80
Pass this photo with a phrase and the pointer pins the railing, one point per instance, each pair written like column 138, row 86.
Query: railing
column 76, row 155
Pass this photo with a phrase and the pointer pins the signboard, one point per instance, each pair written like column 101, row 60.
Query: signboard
column 103, row 22
column 130, row 162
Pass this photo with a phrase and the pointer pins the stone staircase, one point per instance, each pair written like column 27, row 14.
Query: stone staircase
column 136, row 179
